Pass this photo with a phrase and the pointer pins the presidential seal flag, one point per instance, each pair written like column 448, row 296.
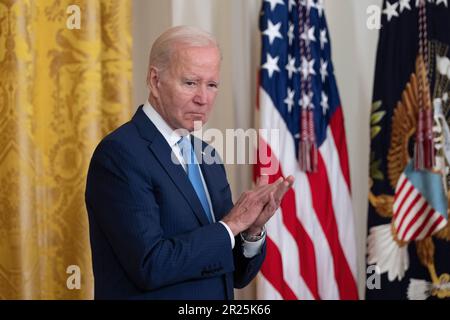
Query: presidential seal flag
column 310, row 241
column 408, row 229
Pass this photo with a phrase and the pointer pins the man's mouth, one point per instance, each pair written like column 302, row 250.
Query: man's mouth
column 195, row 115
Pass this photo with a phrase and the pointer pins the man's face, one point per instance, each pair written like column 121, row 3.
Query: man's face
column 186, row 91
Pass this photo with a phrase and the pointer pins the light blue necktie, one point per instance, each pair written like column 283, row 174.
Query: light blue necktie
column 193, row 172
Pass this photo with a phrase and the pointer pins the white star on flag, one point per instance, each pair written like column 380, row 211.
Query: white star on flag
column 438, row 2
column 271, row 65
column 307, row 68
column 391, row 10
column 323, row 38
column 291, row 34
column 324, row 103
column 273, row 31
column 309, row 35
column 290, row 67
column 290, row 99
column 319, row 7
column 404, row 4
column 323, row 69
column 306, row 101
column 273, row 3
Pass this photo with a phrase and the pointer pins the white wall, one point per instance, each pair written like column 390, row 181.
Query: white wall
column 150, row 19
column 235, row 24
column 354, row 50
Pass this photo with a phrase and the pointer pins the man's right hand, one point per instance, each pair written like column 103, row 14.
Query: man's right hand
column 250, row 205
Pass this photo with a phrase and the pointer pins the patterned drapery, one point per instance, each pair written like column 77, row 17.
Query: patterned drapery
column 61, row 90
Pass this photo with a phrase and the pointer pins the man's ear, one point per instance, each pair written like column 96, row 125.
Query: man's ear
column 153, row 78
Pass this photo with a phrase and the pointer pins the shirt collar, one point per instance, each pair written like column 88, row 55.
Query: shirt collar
column 163, row 127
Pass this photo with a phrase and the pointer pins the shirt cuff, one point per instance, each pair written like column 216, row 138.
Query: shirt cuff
column 252, row 248
column 230, row 233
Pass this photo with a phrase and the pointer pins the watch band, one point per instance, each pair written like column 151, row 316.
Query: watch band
column 253, row 238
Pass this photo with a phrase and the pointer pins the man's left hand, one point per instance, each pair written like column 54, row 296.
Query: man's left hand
column 271, row 207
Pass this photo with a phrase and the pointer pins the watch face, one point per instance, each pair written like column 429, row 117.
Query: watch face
column 254, row 238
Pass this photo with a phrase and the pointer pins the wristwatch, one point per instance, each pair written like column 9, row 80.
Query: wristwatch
column 253, row 238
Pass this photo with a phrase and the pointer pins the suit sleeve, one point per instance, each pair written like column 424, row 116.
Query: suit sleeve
column 246, row 268
column 121, row 200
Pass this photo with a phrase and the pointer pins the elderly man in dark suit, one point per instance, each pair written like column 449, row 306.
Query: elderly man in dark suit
column 162, row 223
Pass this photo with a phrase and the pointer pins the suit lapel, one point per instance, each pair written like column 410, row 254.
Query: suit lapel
column 162, row 152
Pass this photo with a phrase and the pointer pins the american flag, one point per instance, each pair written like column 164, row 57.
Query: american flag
column 310, row 244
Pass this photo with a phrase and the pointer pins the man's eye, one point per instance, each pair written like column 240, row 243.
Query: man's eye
column 213, row 85
column 190, row 83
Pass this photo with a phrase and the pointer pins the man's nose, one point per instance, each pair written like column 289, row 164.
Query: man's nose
column 201, row 95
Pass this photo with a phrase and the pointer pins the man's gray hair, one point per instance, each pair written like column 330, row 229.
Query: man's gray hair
column 167, row 43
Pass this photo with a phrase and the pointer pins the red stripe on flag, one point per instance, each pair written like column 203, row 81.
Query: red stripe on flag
column 322, row 203
column 433, row 227
column 338, row 130
column 396, row 195
column 406, row 196
column 408, row 211
column 272, row 269
column 307, row 256
column 424, row 223
column 399, row 191
column 414, row 219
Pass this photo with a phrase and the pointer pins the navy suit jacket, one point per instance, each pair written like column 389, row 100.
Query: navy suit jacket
column 150, row 237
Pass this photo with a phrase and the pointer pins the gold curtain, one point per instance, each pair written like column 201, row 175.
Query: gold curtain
column 61, row 90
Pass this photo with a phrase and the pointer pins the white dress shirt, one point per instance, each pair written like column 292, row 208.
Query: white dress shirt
column 250, row 248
